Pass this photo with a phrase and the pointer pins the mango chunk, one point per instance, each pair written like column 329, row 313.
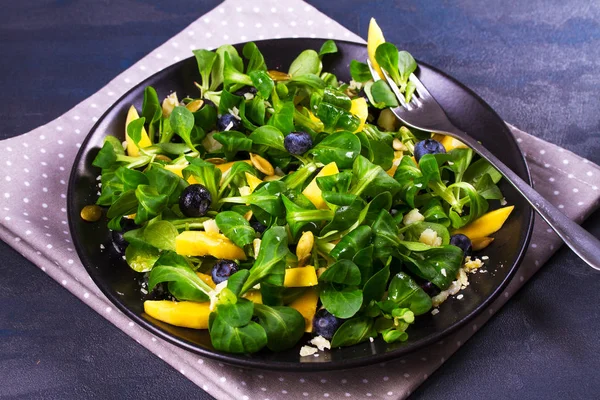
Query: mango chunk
column 374, row 39
column 300, row 277
column 449, row 142
column 253, row 181
column 133, row 149
column 306, row 305
column 486, row 224
column 200, row 243
column 360, row 108
column 207, row 279
column 178, row 170
column 187, row 314
column 226, row 166
column 254, row 296
column 312, row 191
column 481, row 243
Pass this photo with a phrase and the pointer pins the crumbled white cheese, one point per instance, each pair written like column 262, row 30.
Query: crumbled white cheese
column 439, row 298
column 214, row 295
column 307, row 351
column 248, row 96
column 503, row 201
column 169, row 103
column 229, row 126
column 430, row 237
column 443, row 271
column 245, row 190
column 471, row 264
column 371, row 339
column 101, row 247
column 460, row 296
column 485, row 258
column 352, row 85
column 124, row 144
column 398, row 145
column 412, row 217
column 210, row 225
column 321, row 343
column 144, row 291
column 462, row 278
column 435, row 311
column 235, row 112
column 210, row 144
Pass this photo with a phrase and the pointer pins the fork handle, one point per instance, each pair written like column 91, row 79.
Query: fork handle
column 583, row 243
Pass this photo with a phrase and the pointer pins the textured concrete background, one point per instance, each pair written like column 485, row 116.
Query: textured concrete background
column 537, row 63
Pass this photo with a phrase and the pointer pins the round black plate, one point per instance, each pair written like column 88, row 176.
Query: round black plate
column 466, row 110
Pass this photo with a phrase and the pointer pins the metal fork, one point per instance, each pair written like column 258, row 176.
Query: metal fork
column 424, row 113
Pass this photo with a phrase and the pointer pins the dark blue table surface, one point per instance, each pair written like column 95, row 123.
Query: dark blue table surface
column 536, row 62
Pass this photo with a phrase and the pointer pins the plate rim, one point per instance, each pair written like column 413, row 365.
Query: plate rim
column 234, row 359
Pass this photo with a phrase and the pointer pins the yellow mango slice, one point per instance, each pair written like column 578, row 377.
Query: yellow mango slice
column 200, row 243
column 486, row 224
column 254, row 296
column 225, row 167
column 374, row 39
column 312, row 191
column 481, row 243
column 307, row 306
column 360, row 108
column 300, row 277
column 253, row 181
column 449, row 142
column 132, row 148
column 178, row 170
column 207, row 279
column 187, row 314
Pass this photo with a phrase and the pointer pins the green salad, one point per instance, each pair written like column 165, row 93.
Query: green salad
column 270, row 204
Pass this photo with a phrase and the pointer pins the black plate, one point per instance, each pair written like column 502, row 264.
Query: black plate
column 466, row 110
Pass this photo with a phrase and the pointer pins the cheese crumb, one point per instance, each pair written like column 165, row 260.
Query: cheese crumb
column 412, row 217
column 307, row 351
column 430, row 237
column 256, row 246
column 229, row 126
column 321, row 343
column 210, row 225
column 245, row 190
column 460, row 296
column 214, row 295
column 503, row 201
column 248, row 96
column 471, row 265
column 435, row 311
column 443, row 271
column 371, row 339
column 235, row 112
column 355, row 85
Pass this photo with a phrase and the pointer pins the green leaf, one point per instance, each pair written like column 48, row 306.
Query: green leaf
column 217, row 69
column 309, row 80
column 298, row 216
column 106, row 157
column 478, row 169
column 249, row 338
column 383, row 154
column 360, row 71
column 205, row 118
column 328, row 47
column 182, row 123
column 364, row 260
column 232, row 76
column 172, row 267
column 375, row 287
column 206, row 174
column 438, row 265
column 125, row 204
column 134, row 129
column 337, row 98
column 352, row 243
column 256, row 61
column 166, row 182
column 413, row 231
column 205, row 60
column 386, row 55
column 283, row 118
column 235, row 227
column 151, row 203
column 342, row 303
column 237, row 314
column 228, row 102
column 406, row 293
column 383, row 95
column 141, row 257
column 344, row 272
column 487, row 189
column 406, row 65
column 284, row 326
column 267, row 197
column 386, row 239
column 353, row 331
column 340, row 147
column 157, row 233
column 271, row 257
column 369, row 179
column 344, row 216
column 262, row 82
column 269, row 136
column 308, row 62
column 236, row 281
column 233, row 142
column 151, row 107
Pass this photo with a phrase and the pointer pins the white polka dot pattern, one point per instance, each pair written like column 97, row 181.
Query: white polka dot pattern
column 33, row 217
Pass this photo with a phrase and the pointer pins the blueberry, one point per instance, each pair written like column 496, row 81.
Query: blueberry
column 118, row 240
column 244, row 90
column 325, row 324
column 195, row 200
column 222, row 270
column 228, row 119
column 430, row 288
column 461, row 241
column 257, row 225
column 428, row 146
column 298, row 143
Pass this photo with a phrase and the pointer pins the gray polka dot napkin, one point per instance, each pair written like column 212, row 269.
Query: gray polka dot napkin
column 34, row 220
